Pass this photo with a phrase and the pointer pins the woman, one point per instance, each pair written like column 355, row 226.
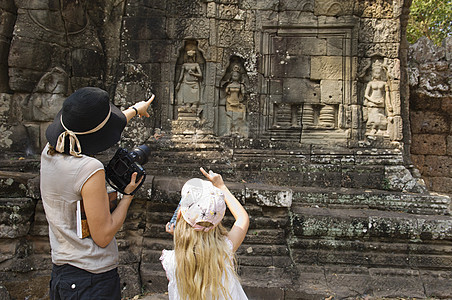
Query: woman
column 86, row 125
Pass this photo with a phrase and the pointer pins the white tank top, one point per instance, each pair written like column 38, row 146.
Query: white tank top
column 168, row 260
column 62, row 178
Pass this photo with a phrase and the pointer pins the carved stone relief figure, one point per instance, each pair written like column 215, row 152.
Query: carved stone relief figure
column 49, row 95
column 235, row 91
column 189, row 77
column 377, row 102
column 234, row 86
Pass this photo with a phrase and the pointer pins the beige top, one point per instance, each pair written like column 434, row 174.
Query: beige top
column 62, row 179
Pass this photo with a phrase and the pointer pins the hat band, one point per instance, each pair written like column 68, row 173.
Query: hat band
column 73, row 140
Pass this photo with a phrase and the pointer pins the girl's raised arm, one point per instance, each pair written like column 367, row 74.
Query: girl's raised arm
column 239, row 229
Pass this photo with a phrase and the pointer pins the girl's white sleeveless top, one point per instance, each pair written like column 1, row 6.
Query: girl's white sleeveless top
column 168, row 260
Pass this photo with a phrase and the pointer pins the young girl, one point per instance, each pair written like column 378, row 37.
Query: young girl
column 201, row 266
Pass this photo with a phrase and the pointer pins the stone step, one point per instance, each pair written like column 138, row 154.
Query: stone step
column 348, row 198
column 370, row 238
column 14, row 184
column 357, row 282
column 348, row 168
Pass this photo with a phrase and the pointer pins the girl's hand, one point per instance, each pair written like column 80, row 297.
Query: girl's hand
column 169, row 227
column 133, row 183
column 215, row 178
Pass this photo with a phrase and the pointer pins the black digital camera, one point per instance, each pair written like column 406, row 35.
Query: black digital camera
column 123, row 164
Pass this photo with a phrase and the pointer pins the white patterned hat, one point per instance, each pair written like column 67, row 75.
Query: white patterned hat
column 202, row 202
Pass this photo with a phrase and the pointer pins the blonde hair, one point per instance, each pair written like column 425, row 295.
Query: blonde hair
column 202, row 259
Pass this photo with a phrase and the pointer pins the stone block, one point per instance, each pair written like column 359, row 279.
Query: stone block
column 268, row 195
column 437, row 166
column 4, row 294
column 297, row 66
column 334, row 46
column 331, row 91
column 211, row 10
column 30, row 54
column 27, row 283
column 419, row 100
column 16, row 217
column 144, row 28
column 230, row 12
column 449, row 145
column 380, row 9
column 5, row 101
column 265, row 236
column 264, row 261
column 266, row 18
column 253, row 292
column 447, row 45
column 14, row 184
column 326, row 67
column 292, row 17
column 301, row 5
column 306, row 46
column 387, row 283
column 7, row 25
column 441, row 184
column 436, row 283
column 185, row 9
column 276, row 87
column 379, row 31
column 283, row 66
column 432, row 144
column 446, row 105
column 399, row 178
column 8, row 249
column 333, row 8
column 364, row 176
column 145, row 52
column 429, row 122
column 266, row 5
column 348, row 282
column 297, row 90
column 418, row 160
column 137, row 9
column 393, row 68
column 130, row 280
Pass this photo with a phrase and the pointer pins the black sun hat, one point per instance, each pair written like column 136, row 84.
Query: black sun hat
column 88, row 123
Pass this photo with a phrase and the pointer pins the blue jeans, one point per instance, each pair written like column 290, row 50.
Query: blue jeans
column 71, row 283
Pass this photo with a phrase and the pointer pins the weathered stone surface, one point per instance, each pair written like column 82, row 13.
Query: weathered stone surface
column 356, row 219
column 430, row 144
column 16, row 217
column 326, row 67
column 4, row 294
column 268, row 196
column 331, row 91
column 429, row 122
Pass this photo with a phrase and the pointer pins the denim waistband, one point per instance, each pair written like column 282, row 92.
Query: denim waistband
column 72, row 270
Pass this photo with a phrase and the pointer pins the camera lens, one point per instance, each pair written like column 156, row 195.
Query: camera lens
column 141, row 154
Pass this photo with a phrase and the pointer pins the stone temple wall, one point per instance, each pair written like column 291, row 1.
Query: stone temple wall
column 312, row 72
column 301, row 105
column 431, row 111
